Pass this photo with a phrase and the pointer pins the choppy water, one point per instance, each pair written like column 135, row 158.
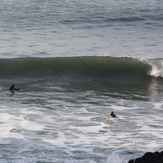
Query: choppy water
column 74, row 28
column 96, row 57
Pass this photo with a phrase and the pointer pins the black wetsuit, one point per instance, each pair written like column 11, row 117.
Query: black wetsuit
column 12, row 88
column 113, row 115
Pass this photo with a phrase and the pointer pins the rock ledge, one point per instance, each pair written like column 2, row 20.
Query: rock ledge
column 149, row 157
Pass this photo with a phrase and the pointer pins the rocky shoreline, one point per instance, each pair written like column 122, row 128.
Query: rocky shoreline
column 149, row 157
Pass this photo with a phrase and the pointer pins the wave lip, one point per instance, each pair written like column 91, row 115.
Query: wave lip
column 73, row 68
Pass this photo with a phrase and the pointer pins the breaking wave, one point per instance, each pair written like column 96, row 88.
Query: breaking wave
column 157, row 68
column 85, row 67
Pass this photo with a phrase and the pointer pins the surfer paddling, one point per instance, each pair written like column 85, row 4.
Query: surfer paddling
column 12, row 88
column 111, row 115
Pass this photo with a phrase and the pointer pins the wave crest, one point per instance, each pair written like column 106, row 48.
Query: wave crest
column 157, row 68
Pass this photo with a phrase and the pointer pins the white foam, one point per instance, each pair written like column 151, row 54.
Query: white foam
column 157, row 69
column 115, row 158
column 5, row 141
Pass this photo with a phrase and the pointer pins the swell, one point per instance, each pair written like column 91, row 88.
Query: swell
column 101, row 19
column 113, row 69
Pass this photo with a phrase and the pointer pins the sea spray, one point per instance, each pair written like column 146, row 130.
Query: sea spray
column 157, row 68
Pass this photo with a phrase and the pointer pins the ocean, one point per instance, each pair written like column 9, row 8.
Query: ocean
column 74, row 62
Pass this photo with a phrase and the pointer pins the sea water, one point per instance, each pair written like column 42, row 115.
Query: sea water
column 75, row 61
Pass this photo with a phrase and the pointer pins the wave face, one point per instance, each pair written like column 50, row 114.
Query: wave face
column 76, row 68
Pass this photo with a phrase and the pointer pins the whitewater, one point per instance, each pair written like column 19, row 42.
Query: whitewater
column 74, row 62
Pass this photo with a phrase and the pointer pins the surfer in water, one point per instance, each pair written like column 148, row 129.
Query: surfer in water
column 111, row 115
column 12, row 88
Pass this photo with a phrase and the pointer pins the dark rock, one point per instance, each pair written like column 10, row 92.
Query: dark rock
column 149, row 157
